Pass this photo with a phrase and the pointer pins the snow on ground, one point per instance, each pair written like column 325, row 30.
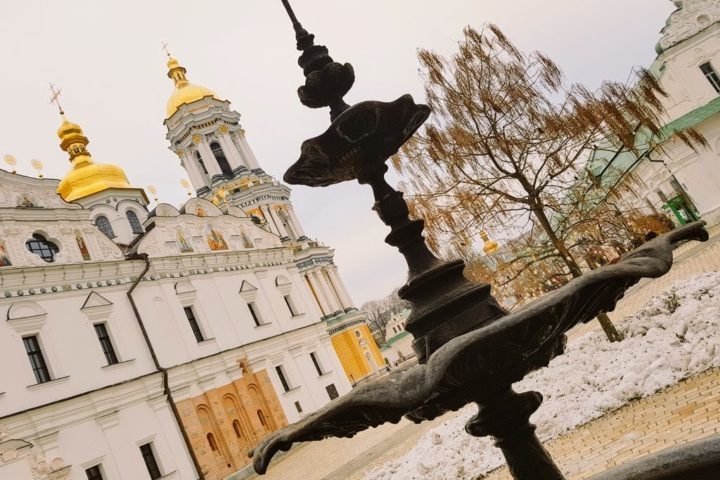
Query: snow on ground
column 675, row 336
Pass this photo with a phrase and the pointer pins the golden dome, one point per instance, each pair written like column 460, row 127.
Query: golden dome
column 490, row 246
column 86, row 176
column 185, row 92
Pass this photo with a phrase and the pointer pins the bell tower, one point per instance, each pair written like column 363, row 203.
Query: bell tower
column 207, row 137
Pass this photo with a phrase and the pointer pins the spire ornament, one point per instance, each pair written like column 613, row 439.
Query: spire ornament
column 55, row 98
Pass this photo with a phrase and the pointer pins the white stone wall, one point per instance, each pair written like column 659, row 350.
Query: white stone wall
column 104, row 427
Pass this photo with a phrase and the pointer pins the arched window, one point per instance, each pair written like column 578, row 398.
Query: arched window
column 220, row 157
column 134, row 222
column 237, row 428
column 211, row 442
column 104, row 225
column 202, row 164
column 261, row 416
column 41, row 247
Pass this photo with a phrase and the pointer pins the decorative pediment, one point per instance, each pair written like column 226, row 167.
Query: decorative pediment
column 94, row 300
column 26, row 317
column 96, row 306
column 283, row 284
column 690, row 18
column 186, row 292
column 248, row 291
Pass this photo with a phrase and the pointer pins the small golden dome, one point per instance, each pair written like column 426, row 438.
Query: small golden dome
column 185, row 92
column 490, row 246
column 86, row 176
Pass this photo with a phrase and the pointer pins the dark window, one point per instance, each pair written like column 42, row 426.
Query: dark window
column 211, row 442
column 202, row 164
column 37, row 361
column 283, row 380
column 41, row 247
column 193, row 323
column 254, row 313
column 290, row 305
column 332, row 391
column 711, row 75
column 105, row 343
column 94, row 473
column 316, row 363
column 150, row 462
column 221, row 159
column 298, row 407
column 104, row 225
column 237, row 428
column 134, row 222
column 261, row 417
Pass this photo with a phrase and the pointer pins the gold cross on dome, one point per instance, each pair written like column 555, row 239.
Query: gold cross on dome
column 165, row 49
column 55, row 98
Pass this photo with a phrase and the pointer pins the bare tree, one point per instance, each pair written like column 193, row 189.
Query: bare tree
column 379, row 312
column 507, row 139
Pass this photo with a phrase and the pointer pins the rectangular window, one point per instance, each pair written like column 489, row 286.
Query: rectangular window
column 255, row 314
column 290, row 305
column 315, row 361
column 150, row 462
column 298, row 407
column 193, row 324
column 281, row 375
column 94, row 473
column 106, row 344
column 332, row 391
column 711, row 75
column 37, row 361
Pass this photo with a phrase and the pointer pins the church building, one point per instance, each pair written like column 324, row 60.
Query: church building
column 166, row 343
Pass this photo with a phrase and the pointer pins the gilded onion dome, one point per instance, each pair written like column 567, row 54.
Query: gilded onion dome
column 185, row 92
column 86, row 176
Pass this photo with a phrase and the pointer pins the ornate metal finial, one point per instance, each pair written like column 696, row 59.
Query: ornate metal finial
column 165, row 49
column 55, row 98
column 326, row 81
column 37, row 165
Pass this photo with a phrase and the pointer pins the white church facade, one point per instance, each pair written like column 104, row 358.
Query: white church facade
column 164, row 344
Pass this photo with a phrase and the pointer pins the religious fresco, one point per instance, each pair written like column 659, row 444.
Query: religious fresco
column 183, row 244
column 82, row 246
column 4, row 257
column 216, row 241
column 200, row 212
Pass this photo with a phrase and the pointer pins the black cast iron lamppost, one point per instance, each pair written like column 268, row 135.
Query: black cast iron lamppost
column 469, row 349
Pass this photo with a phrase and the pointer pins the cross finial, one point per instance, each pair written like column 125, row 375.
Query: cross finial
column 165, row 49
column 55, row 98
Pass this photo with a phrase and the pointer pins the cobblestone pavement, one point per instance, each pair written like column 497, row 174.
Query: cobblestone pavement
column 338, row 459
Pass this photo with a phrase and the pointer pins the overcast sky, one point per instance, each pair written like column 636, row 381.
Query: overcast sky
column 107, row 58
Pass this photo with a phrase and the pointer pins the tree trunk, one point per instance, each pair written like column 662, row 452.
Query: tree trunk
column 611, row 332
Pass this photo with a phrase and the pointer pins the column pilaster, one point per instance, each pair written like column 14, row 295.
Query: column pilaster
column 324, row 308
column 339, row 288
column 327, row 290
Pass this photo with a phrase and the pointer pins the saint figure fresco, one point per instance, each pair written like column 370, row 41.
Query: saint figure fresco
column 216, row 241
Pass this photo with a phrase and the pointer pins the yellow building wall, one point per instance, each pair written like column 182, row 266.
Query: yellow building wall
column 352, row 354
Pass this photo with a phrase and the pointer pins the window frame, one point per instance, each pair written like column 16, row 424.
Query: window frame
column 100, row 473
column 134, row 221
column 107, row 230
column 106, row 343
column 283, row 377
column 318, row 365
column 194, row 324
column 255, row 313
column 291, row 305
column 151, row 453
column 42, row 247
column 710, row 75
column 43, row 366
column 328, row 388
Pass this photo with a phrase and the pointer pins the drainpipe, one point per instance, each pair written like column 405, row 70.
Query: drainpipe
column 163, row 371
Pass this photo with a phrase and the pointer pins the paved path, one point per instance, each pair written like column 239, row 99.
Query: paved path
column 351, row 459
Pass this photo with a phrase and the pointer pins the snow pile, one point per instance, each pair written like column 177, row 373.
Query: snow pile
column 676, row 335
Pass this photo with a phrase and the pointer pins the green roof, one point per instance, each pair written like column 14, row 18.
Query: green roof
column 691, row 119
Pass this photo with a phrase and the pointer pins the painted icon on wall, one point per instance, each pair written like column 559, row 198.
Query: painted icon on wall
column 216, row 241
column 183, row 244
column 82, row 246
column 200, row 212
column 4, row 257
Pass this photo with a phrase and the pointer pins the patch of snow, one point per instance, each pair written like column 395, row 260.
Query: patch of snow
column 674, row 336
